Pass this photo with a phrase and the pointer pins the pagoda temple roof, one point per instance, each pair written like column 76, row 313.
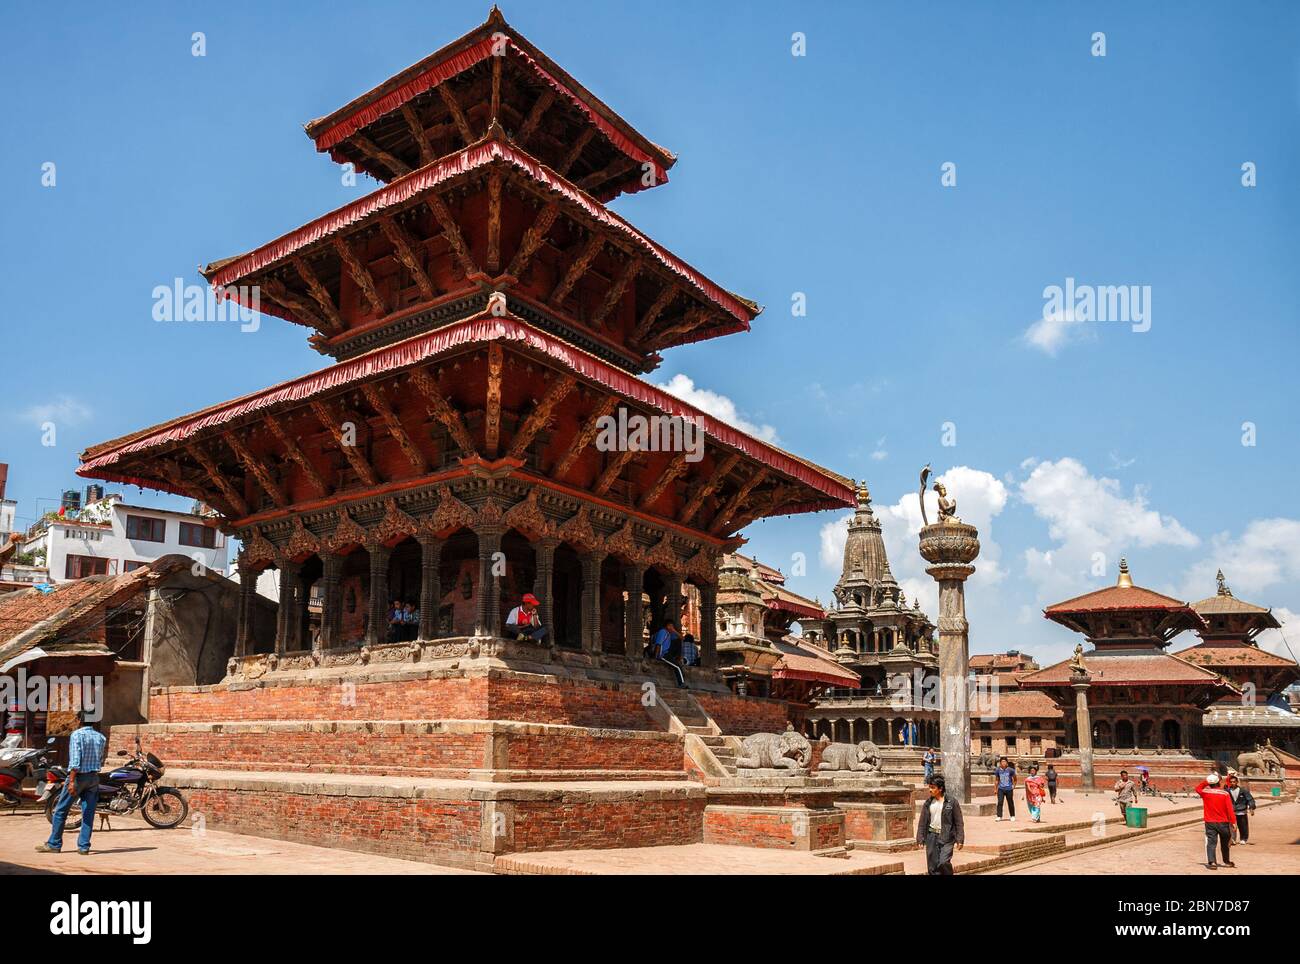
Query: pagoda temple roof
column 1128, row 668
column 734, row 313
column 497, row 41
column 1114, row 598
column 802, row 661
column 102, row 461
column 1241, row 655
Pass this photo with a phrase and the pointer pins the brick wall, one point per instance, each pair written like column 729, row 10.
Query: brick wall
column 743, row 715
column 604, row 825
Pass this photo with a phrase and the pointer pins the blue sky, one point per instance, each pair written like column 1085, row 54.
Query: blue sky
column 817, row 174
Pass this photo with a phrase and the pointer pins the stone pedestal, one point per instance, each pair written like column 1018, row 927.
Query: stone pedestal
column 1079, row 683
column 950, row 547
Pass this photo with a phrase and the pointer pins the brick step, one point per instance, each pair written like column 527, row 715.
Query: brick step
column 494, row 776
column 457, row 823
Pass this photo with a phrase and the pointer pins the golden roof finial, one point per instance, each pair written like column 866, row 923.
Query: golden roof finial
column 1223, row 584
column 1125, row 580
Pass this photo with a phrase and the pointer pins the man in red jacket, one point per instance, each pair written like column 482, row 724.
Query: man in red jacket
column 1219, row 819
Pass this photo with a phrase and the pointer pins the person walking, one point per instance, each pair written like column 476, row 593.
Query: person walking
column 940, row 829
column 85, row 757
column 1035, row 792
column 1051, row 781
column 1219, row 817
column 928, row 762
column 1006, row 774
column 1125, row 793
column 525, row 622
column 1242, row 803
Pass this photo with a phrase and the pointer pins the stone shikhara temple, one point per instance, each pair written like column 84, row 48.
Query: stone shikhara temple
column 485, row 312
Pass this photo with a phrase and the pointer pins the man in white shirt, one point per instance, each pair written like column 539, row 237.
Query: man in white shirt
column 525, row 622
column 940, row 829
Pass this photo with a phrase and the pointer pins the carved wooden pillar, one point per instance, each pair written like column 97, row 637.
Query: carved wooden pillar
column 430, row 585
column 674, row 600
column 331, row 615
column 633, row 618
column 288, row 609
column 544, row 556
column 591, row 562
column 377, row 623
column 244, row 620
column 299, row 611
column 708, row 626
column 488, row 617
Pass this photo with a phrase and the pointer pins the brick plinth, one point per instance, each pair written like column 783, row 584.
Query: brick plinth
column 885, row 827
column 782, row 828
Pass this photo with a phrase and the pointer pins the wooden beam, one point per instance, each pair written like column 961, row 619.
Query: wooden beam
column 612, row 471
column 334, row 425
column 404, row 247
column 361, row 275
column 615, row 293
column 614, row 169
column 375, row 396
column 492, row 408
column 532, row 239
column 302, row 307
column 691, row 319
column 711, row 485
column 724, row 514
column 540, row 106
column 540, row 415
column 218, row 478
column 441, row 410
column 571, row 158
column 494, row 223
column 427, row 154
column 496, row 89
column 457, row 115
column 452, row 232
column 251, row 463
column 577, row 268
column 295, row 452
column 590, row 429
column 666, row 294
column 318, row 291
column 373, row 151
column 675, row 467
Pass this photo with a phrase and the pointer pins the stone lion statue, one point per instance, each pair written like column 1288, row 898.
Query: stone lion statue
column 988, row 759
column 1263, row 762
column 774, row 751
column 862, row 758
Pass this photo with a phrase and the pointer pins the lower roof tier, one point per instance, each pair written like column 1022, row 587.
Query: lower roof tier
column 490, row 391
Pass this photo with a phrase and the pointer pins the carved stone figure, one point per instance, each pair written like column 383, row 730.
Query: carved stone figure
column 862, row 758
column 774, row 751
column 987, row 759
column 1076, row 661
column 1263, row 762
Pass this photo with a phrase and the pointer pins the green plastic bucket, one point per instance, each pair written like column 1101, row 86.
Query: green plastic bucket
column 1135, row 817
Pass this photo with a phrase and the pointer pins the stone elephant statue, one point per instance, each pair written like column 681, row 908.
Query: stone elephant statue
column 1261, row 762
column 774, row 751
column 862, row 758
column 987, row 759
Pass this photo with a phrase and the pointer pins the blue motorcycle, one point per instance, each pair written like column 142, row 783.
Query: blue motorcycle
column 126, row 788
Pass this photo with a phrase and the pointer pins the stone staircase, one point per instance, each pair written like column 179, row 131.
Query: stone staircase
column 723, row 751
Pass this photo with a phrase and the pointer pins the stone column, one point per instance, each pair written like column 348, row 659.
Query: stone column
column 430, row 585
column 331, row 600
column 1083, row 720
column 289, row 615
column 591, row 562
column 244, row 619
column 673, row 600
column 544, row 557
column 633, row 618
column 708, row 626
column 488, row 622
column 950, row 547
column 377, row 625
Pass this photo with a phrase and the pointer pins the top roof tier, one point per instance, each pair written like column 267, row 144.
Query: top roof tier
column 449, row 99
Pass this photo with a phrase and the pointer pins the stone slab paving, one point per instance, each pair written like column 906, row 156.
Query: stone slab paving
column 696, row 859
column 133, row 847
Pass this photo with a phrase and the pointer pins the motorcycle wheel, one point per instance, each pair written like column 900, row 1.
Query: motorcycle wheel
column 74, row 815
column 166, row 808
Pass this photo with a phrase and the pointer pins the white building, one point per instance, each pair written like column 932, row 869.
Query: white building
column 110, row 537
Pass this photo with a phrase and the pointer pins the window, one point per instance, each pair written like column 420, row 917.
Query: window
column 124, row 633
column 131, row 565
column 197, row 534
column 145, row 529
column 78, row 567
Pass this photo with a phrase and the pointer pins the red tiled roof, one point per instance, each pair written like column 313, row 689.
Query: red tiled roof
column 1126, row 669
column 1205, row 654
column 1116, row 597
column 814, row 669
column 990, row 660
column 1027, row 704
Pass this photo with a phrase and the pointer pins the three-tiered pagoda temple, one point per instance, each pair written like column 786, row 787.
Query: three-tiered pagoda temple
column 485, row 312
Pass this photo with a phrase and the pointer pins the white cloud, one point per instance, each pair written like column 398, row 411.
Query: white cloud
column 719, row 406
column 1273, row 639
column 880, row 453
column 63, row 410
column 1053, row 332
column 1091, row 523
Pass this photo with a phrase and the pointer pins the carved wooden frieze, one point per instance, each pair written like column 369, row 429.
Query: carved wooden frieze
column 578, row 531
column 450, row 514
column 527, row 517
column 259, row 551
column 395, row 525
column 301, row 543
column 346, row 533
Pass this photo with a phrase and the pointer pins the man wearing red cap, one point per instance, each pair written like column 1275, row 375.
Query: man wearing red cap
column 525, row 622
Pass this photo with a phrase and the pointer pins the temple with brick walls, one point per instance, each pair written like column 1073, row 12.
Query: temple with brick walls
column 488, row 317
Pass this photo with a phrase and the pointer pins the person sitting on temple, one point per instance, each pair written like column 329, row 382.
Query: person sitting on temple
column 662, row 645
column 525, row 622
column 395, row 621
column 410, row 622
column 690, row 651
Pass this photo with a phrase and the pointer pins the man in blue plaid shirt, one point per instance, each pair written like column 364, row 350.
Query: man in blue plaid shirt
column 85, row 757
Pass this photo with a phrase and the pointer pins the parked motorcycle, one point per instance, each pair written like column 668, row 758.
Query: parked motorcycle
column 19, row 764
column 125, row 789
